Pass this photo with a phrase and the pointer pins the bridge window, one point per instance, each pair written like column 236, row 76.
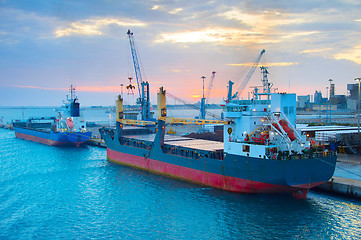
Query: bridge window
column 245, row 148
column 285, row 110
column 291, row 110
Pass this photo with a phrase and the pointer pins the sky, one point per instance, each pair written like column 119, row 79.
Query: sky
column 48, row 45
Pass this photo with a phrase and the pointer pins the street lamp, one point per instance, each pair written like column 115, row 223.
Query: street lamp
column 358, row 106
column 203, row 77
column 202, row 114
column 325, row 106
column 330, row 80
column 121, row 89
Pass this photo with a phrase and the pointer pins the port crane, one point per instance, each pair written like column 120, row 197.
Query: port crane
column 143, row 87
column 144, row 101
column 248, row 76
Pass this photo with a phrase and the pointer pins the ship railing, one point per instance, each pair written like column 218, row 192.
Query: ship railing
column 251, row 102
column 244, row 110
column 320, row 154
column 136, row 143
column 34, row 129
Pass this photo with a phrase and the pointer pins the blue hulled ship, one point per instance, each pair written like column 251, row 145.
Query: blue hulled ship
column 66, row 129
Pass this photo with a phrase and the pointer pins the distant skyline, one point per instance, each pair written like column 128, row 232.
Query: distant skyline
column 45, row 46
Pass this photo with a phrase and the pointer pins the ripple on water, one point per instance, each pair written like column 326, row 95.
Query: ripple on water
column 61, row 193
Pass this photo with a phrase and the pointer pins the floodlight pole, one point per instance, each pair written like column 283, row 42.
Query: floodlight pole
column 330, row 80
column 358, row 107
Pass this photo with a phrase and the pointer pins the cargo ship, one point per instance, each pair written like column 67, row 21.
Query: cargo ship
column 66, row 129
column 262, row 152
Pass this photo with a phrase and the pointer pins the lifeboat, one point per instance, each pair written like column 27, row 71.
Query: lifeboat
column 70, row 123
column 288, row 130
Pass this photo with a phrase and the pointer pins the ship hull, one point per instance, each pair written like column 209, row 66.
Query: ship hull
column 233, row 173
column 52, row 138
column 205, row 178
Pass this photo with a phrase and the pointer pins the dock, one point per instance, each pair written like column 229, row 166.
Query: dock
column 96, row 142
column 340, row 185
column 6, row 126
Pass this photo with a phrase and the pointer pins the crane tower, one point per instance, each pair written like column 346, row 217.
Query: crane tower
column 143, row 87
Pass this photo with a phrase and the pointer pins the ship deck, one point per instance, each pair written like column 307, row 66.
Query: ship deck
column 185, row 142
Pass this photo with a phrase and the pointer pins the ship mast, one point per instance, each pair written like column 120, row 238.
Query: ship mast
column 266, row 85
column 72, row 93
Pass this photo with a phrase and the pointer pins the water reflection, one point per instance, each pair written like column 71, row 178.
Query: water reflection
column 49, row 192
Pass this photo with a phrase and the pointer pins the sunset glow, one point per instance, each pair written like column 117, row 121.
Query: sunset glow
column 94, row 26
column 46, row 47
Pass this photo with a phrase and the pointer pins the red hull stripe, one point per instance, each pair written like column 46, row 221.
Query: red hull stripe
column 38, row 139
column 196, row 176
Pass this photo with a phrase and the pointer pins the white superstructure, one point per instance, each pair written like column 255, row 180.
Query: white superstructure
column 262, row 126
column 69, row 118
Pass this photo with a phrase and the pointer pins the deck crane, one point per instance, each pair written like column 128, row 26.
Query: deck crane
column 143, row 87
column 249, row 75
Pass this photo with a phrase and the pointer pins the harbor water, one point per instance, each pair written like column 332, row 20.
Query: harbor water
column 49, row 192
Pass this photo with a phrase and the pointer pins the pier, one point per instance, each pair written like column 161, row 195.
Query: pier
column 340, row 185
column 6, row 126
column 96, row 142
column 350, row 186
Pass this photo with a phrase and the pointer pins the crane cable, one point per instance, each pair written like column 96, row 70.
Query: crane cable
column 249, row 74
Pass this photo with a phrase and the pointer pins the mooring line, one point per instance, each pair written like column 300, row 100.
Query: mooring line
column 340, row 167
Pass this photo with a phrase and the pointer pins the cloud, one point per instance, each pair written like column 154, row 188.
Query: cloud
column 163, row 8
column 227, row 36
column 42, row 88
column 215, row 35
column 265, row 20
column 265, row 27
column 353, row 54
column 318, row 50
column 179, row 70
column 299, row 34
column 323, row 52
column 94, row 26
column 280, row 64
column 98, row 88
column 175, row 11
column 155, row 7
column 79, row 88
column 18, row 25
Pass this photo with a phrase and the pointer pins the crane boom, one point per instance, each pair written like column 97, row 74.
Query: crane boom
column 210, row 85
column 249, row 75
column 138, row 74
